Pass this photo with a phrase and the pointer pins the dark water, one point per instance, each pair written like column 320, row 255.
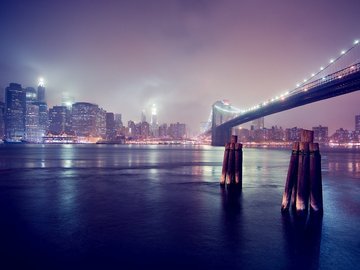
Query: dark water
column 161, row 207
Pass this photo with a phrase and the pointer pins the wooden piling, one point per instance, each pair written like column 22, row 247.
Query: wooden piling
column 303, row 183
column 233, row 139
column 316, row 198
column 225, row 164
column 230, row 176
column 291, row 180
column 307, row 136
column 238, row 164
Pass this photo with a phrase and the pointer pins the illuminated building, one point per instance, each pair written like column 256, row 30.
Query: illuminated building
column 163, row 131
column 132, row 129
column 101, row 123
column 59, row 120
column 154, row 126
column 357, row 123
column 41, row 91
column 177, row 131
column 110, row 127
column 320, row 133
column 15, row 109
column 292, row 134
column 83, row 119
column 43, row 117
column 33, row 132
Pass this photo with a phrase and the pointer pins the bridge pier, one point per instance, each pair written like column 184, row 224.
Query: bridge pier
column 220, row 136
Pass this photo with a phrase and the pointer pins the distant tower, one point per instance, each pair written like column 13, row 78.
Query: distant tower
column 41, row 90
column 143, row 116
column 15, row 110
column 154, row 122
column 258, row 123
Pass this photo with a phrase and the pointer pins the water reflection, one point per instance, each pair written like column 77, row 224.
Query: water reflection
column 232, row 214
column 302, row 240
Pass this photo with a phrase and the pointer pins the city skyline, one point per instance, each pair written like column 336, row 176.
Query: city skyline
column 181, row 55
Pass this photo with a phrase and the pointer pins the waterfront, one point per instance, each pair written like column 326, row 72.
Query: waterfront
column 135, row 207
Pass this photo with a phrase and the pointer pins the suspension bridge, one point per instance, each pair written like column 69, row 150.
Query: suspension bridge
column 340, row 76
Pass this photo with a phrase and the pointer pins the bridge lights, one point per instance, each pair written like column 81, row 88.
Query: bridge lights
column 321, row 68
column 298, row 84
column 331, row 61
column 312, row 74
column 356, row 42
column 343, row 52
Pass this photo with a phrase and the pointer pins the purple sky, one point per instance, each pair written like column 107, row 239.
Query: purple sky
column 182, row 55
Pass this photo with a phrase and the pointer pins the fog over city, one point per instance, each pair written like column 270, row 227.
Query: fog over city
column 180, row 55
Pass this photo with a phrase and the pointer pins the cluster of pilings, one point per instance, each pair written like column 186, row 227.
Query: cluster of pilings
column 304, row 181
column 231, row 174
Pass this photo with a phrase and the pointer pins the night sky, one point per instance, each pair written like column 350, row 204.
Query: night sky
column 182, row 55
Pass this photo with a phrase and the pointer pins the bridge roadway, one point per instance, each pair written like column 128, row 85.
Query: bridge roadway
column 339, row 83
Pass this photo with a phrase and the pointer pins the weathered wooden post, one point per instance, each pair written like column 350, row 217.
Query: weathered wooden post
column 230, row 176
column 231, row 173
column 303, row 181
column 291, row 180
column 303, row 184
column 316, row 198
column 225, row 164
column 238, row 164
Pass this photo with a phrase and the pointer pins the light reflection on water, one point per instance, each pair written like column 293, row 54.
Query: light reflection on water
column 101, row 205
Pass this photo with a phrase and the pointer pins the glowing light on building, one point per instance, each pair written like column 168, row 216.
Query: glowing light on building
column 41, row 82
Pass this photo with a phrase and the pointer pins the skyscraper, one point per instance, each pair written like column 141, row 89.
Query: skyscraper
column 59, row 120
column 154, row 126
column 33, row 131
column 143, row 116
column 83, row 119
column 41, row 91
column 110, row 127
column 357, row 123
column 15, row 110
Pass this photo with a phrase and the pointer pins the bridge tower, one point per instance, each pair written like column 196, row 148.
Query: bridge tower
column 222, row 112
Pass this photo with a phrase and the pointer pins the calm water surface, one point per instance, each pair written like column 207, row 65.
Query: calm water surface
column 161, row 207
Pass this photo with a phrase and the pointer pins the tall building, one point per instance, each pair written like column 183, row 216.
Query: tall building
column 118, row 121
column 143, row 116
column 33, row 131
column 101, row 123
column 163, row 131
column 43, row 117
column 59, row 120
column 2, row 120
column 357, row 123
column 110, row 126
column 321, row 134
column 15, row 110
column 41, row 91
column 132, row 128
column 84, row 119
column 154, row 125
